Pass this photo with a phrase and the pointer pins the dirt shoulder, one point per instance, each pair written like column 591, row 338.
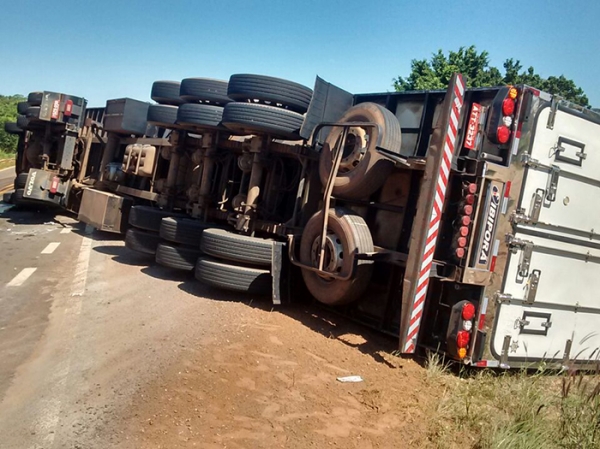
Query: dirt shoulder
column 268, row 379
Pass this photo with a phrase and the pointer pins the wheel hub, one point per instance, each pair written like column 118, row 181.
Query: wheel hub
column 353, row 149
column 333, row 254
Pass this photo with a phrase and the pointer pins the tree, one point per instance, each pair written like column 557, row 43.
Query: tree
column 8, row 113
column 436, row 72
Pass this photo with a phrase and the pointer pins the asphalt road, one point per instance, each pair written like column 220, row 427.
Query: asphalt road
column 7, row 177
column 83, row 322
column 100, row 348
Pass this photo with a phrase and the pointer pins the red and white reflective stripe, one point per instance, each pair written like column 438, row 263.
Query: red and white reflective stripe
column 487, row 364
column 494, row 255
column 506, row 197
column 482, row 312
column 434, row 220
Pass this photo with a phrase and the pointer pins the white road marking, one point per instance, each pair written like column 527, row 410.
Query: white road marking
column 65, row 230
column 50, row 248
column 20, row 278
column 81, row 269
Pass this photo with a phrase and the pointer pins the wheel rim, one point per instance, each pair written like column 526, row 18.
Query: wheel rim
column 333, row 260
column 353, row 149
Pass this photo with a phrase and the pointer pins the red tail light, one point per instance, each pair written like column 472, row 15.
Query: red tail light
column 468, row 209
column 503, row 134
column 470, row 199
column 468, row 311
column 508, row 106
column 459, row 253
column 54, row 184
column 461, row 242
column 462, row 339
column 68, row 108
column 465, row 220
column 472, row 187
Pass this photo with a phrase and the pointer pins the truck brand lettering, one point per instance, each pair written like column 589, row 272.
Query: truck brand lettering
column 55, row 109
column 31, row 183
column 490, row 221
column 473, row 128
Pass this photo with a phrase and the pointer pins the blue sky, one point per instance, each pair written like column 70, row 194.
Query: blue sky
column 110, row 49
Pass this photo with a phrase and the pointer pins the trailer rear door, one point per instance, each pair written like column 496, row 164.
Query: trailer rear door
column 550, row 301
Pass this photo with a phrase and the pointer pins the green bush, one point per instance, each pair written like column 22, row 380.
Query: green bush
column 8, row 113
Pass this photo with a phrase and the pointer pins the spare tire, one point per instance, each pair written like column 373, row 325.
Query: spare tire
column 347, row 233
column 35, row 99
column 12, row 128
column 186, row 231
column 22, row 107
column 142, row 241
column 178, row 257
column 163, row 115
column 247, row 118
column 233, row 277
column 237, row 248
column 270, row 90
column 204, row 90
column 368, row 169
column 149, row 218
column 166, row 92
column 199, row 115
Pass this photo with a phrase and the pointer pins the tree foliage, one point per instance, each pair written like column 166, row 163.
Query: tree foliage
column 8, row 113
column 436, row 72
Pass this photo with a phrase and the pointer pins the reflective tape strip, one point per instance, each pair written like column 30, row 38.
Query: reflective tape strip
column 434, row 220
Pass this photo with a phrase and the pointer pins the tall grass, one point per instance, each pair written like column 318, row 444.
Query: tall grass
column 519, row 410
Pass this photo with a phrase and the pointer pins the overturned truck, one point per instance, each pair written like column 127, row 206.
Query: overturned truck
column 458, row 221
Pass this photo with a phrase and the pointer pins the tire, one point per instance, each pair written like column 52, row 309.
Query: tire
column 22, row 106
column 233, row 277
column 35, row 98
column 204, row 90
column 22, row 122
column 353, row 235
column 148, row 218
column 12, row 128
column 237, row 248
column 142, row 241
column 18, row 199
column 199, row 115
column 163, row 115
column 183, row 230
column 371, row 171
column 178, row 257
column 21, row 180
column 33, row 113
column 166, row 92
column 246, row 118
column 294, row 96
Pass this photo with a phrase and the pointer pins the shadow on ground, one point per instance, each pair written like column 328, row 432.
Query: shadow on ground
column 35, row 216
column 307, row 311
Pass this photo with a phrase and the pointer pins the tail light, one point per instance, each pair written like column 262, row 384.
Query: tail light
column 460, row 328
column 54, row 184
column 462, row 339
column 501, row 116
column 468, row 311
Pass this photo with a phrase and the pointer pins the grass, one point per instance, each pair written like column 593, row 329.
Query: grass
column 519, row 410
